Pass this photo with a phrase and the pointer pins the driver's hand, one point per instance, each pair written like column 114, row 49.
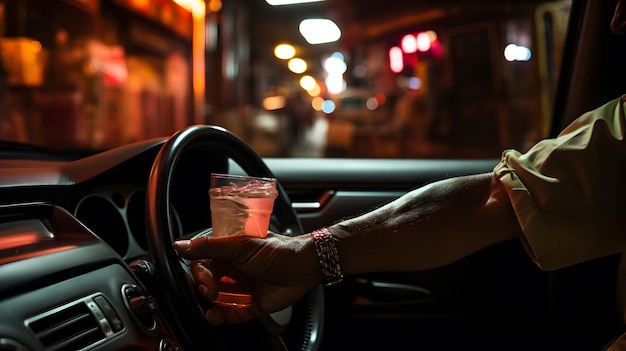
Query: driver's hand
column 283, row 269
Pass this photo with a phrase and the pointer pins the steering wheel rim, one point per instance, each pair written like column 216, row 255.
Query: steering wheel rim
column 177, row 299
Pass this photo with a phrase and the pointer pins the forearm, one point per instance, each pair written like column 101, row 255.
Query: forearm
column 428, row 227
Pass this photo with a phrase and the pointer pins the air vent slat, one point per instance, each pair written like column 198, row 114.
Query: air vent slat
column 80, row 341
column 67, row 328
column 47, row 336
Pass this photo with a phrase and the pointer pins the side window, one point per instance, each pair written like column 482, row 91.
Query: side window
column 455, row 87
column 455, row 79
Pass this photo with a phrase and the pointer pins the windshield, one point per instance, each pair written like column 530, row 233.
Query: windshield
column 398, row 79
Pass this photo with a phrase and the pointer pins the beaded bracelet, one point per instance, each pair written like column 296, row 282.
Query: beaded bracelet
column 328, row 256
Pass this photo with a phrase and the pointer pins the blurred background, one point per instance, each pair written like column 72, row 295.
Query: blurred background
column 334, row 78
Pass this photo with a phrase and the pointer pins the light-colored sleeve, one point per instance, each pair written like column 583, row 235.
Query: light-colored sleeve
column 569, row 193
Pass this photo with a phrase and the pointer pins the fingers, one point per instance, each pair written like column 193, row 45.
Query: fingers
column 203, row 247
column 205, row 280
column 207, row 287
column 212, row 258
column 227, row 248
column 229, row 315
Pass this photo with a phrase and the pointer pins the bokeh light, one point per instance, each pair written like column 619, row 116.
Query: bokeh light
column 284, row 51
column 514, row 52
column 335, row 65
column 307, row 82
column 272, row 103
column 423, row 42
column 297, row 65
column 335, row 83
column 371, row 104
column 414, row 83
column 315, row 91
column 319, row 31
column 328, row 106
column 396, row 60
column 409, row 44
column 317, row 103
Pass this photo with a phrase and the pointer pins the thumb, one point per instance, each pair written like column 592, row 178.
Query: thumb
column 205, row 247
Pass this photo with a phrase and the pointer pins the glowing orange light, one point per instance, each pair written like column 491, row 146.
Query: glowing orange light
column 284, row 51
column 214, row 5
column 198, row 64
column 13, row 241
column 272, row 103
column 196, row 7
column 315, row 91
column 35, row 46
column 139, row 3
column 432, row 35
column 29, row 254
column 317, row 103
column 307, row 82
column 297, row 65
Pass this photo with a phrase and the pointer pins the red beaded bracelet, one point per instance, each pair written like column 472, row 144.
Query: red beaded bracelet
column 328, row 256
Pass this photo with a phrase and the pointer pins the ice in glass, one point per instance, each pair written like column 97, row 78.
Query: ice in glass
column 241, row 204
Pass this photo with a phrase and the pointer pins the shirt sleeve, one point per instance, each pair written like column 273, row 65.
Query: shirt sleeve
column 569, row 193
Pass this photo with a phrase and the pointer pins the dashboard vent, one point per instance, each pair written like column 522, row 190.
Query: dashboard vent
column 71, row 327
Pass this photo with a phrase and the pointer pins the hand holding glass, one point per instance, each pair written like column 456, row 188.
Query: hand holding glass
column 240, row 205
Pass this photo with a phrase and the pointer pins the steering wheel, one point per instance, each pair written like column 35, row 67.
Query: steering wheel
column 177, row 298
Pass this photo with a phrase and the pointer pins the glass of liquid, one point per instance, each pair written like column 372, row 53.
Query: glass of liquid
column 240, row 205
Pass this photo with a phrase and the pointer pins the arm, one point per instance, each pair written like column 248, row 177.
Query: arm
column 428, row 227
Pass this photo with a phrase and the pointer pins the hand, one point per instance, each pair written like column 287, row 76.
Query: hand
column 282, row 269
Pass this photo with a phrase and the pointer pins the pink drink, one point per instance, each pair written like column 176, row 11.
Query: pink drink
column 241, row 205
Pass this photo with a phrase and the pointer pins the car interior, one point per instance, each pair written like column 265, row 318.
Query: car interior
column 86, row 261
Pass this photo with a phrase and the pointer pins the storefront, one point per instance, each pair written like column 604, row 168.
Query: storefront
column 95, row 73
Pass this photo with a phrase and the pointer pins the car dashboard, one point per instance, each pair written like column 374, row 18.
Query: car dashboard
column 72, row 247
